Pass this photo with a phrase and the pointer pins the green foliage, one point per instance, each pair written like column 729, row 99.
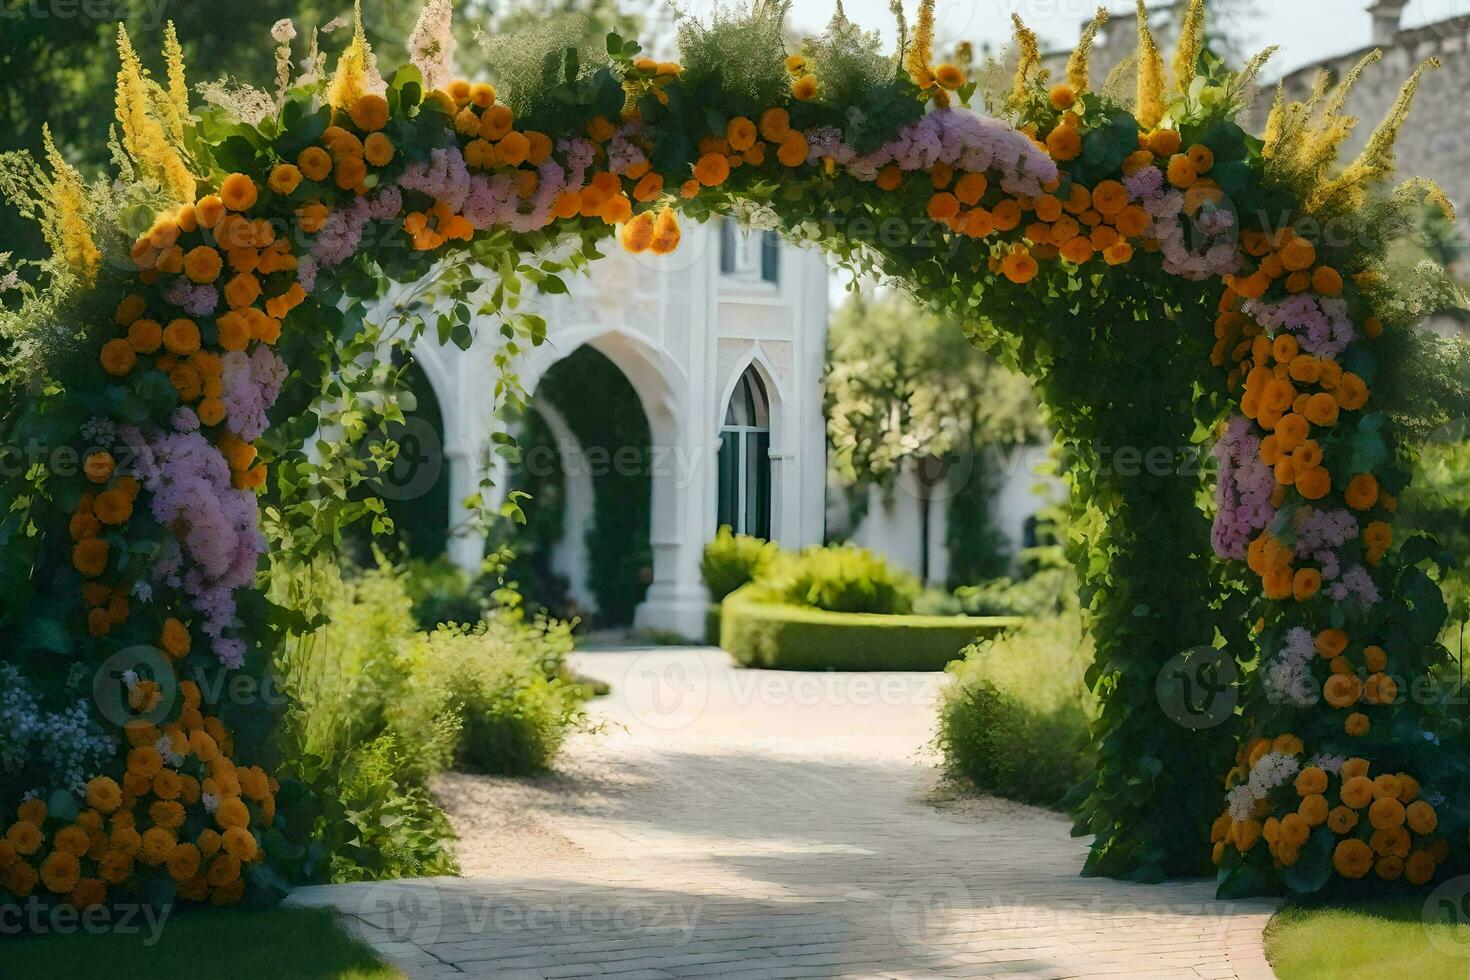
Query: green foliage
column 843, row 578
column 740, row 53
column 1046, row 593
column 507, row 683
column 235, row 945
column 1402, row 937
column 378, row 707
column 760, row 631
column 614, row 439
column 1015, row 720
column 732, row 561
column 849, row 62
column 443, row 593
column 534, row 68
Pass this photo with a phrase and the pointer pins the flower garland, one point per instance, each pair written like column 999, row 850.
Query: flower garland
column 1079, row 185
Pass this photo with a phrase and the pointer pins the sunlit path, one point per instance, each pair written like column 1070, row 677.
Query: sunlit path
column 762, row 824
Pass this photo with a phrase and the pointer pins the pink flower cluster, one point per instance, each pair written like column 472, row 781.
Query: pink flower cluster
column 1213, row 252
column 251, row 383
column 1288, row 677
column 1358, row 583
column 488, row 201
column 1322, row 326
column 197, row 300
column 1243, row 492
column 217, row 541
column 957, row 137
column 1321, row 533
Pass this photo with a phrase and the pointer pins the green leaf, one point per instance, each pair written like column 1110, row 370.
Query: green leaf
column 1314, row 869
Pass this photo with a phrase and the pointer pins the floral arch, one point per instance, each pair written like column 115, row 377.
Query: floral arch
column 1169, row 281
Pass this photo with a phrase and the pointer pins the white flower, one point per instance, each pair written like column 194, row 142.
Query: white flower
column 283, row 31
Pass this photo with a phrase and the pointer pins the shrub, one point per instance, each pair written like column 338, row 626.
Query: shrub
column 507, row 683
column 845, row 579
column 1015, row 720
column 444, row 593
column 1046, row 593
column 732, row 561
column 378, row 707
column 758, row 632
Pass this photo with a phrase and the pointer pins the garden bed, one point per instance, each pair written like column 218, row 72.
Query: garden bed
column 786, row 637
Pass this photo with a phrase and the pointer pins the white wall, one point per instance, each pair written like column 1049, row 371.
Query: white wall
column 682, row 333
column 893, row 524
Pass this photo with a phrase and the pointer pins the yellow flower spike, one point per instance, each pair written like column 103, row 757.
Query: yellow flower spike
column 72, row 238
column 1377, row 161
column 1029, row 59
column 143, row 137
column 1150, row 69
column 918, row 60
column 1191, row 43
column 1079, row 66
column 355, row 68
column 178, row 88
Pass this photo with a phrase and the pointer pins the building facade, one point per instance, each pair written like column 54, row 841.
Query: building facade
column 724, row 343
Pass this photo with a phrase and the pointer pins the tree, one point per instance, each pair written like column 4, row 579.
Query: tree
column 907, row 393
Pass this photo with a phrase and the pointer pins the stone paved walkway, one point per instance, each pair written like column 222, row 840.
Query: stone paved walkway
column 762, row 824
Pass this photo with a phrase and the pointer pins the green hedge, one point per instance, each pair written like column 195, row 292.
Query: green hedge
column 785, row 637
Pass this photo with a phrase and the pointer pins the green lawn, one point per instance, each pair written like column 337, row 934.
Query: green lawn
column 304, row 944
column 1388, row 940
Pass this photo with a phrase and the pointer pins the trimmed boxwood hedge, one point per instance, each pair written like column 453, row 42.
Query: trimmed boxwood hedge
column 778, row 636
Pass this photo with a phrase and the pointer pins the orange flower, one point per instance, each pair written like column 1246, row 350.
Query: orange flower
column 181, row 337
column 1352, row 392
column 202, row 263
column 1019, row 267
column 1342, row 690
column 1352, row 858
column 712, row 170
column 1327, row 281
column 666, row 233
column 1305, row 584
column 943, row 206
column 1109, row 198
column 113, row 507
column 1063, row 97
column 1118, row 253
column 1163, row 142
column 1182, row 172
column 805, row 88
column 794, row 149
column 1362, row 492
column 238, row 192
column 1201, row 157
column 1298, row 255
column 1322, row 409
column 314, row 163
column 1064, row 143
column 949, row 77
column 370, row 113
column 118, row 357
column 1132, row 221
column 741, row 134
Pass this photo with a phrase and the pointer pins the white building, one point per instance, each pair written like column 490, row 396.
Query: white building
column 724, row 343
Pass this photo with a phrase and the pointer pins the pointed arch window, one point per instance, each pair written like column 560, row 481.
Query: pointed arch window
column 745, row 459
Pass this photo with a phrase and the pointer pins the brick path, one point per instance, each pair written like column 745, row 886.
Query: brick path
column 762, row 824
